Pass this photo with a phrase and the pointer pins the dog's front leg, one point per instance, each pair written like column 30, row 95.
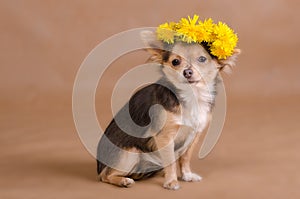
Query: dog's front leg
column 171, row 181
column 167, row 155
column 185, row 161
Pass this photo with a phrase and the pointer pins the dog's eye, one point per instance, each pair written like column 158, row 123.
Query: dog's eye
column 202, row 59
column 175, row 62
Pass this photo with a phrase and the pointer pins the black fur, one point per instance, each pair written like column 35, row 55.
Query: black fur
column 115, row 138
column 139, row 106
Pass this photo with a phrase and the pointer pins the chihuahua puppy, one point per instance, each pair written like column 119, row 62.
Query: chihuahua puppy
column 185, row 94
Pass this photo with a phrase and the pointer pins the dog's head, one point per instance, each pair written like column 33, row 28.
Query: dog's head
column 187, row 63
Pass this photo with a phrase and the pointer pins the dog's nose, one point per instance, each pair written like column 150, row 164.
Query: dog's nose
column 187, row 73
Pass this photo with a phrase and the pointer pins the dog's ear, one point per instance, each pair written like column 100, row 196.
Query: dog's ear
column 152, row 45
column 227, row 64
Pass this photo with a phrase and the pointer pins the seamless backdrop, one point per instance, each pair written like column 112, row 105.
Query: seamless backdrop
column 42, row 44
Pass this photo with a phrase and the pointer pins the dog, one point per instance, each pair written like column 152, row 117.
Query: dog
column 185, row 97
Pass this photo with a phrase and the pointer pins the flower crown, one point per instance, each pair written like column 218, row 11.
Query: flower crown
column 220, row 39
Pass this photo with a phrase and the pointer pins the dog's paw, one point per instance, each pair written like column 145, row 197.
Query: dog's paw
column 191, row 177
column 173, row 185
column 127, row 182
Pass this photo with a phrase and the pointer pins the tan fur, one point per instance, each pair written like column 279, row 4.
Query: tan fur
column 165, row 144
column 185, row 123
column 117, row 177
column 185, row 159
column 227, row 65
column 204, row 73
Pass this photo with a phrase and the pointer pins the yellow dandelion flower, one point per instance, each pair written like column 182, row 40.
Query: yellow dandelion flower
column 188, row 29
column 224, row 42
column 225, row 34
column 166, row 33
column 220, row 38
column 206, row 29
column 221, row 49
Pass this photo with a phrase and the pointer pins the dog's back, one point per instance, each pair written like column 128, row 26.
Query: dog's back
column 115, row 140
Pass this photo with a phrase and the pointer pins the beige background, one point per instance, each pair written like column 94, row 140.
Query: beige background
column 42, row 44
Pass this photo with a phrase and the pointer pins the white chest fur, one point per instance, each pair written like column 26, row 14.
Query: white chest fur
column 196, row 105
